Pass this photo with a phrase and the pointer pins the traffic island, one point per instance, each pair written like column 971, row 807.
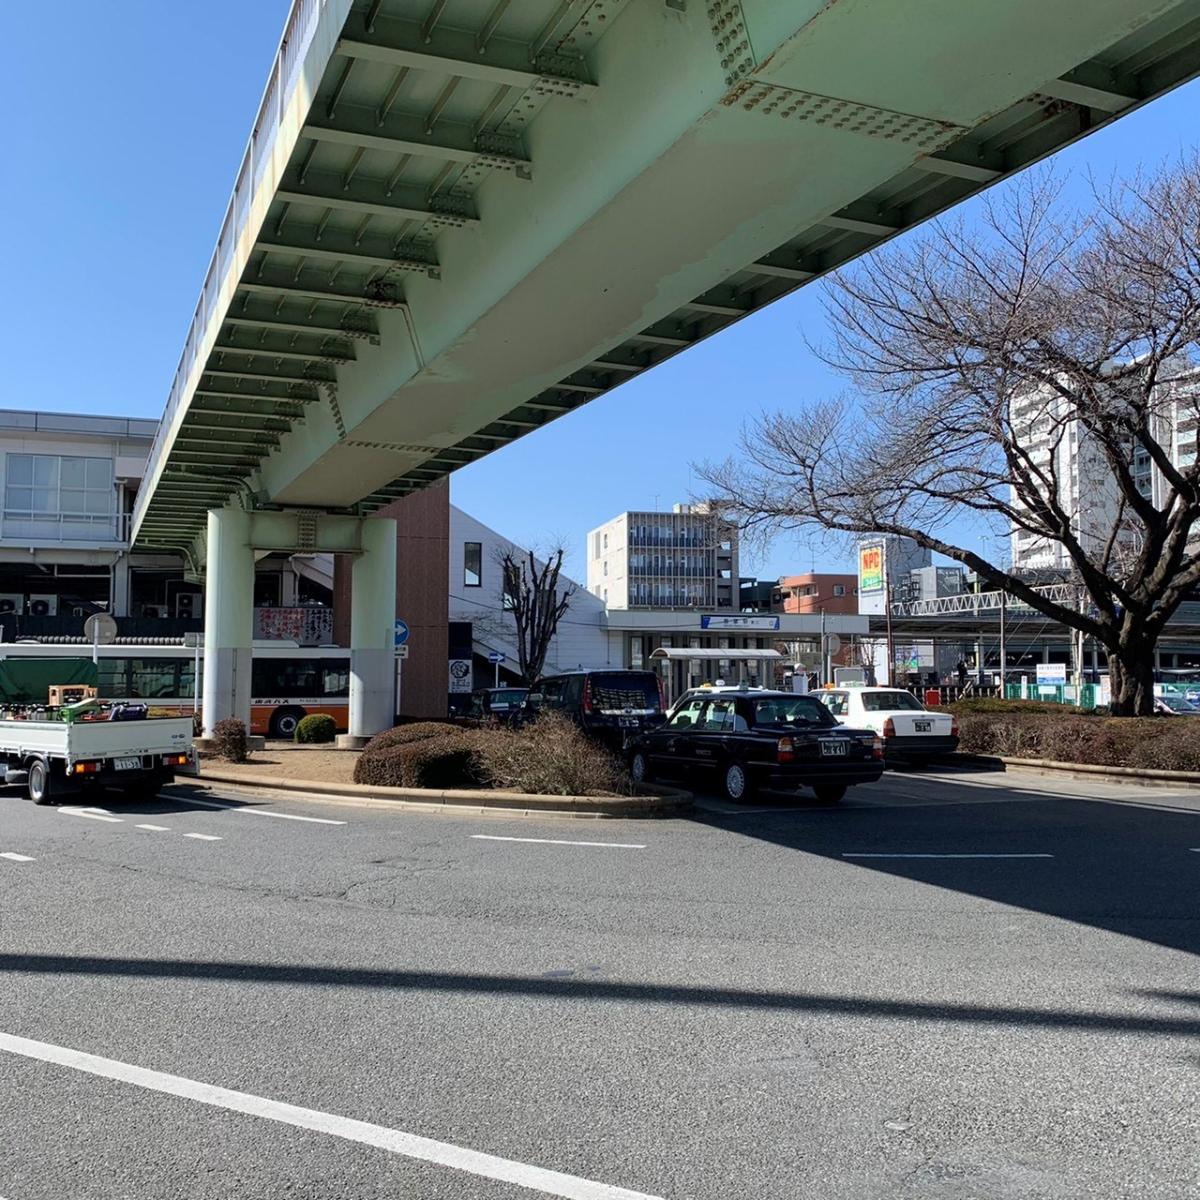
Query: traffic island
column 323, row 771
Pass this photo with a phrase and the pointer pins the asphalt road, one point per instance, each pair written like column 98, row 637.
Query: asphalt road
column 783, row 1001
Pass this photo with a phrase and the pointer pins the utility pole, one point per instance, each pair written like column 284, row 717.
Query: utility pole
column 887, row 609
column 1003, row 647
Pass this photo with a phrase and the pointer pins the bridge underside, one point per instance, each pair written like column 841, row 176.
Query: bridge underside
column 473, row 222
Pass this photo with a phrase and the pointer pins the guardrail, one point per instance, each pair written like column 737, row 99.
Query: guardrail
column 298, row 32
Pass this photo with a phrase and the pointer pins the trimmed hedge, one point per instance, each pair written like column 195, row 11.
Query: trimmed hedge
column 1152, row 743
column 316, row 728
column 453, row 761
column 402, row 735
column 230, row 738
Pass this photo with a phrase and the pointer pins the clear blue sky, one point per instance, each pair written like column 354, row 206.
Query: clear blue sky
column 122, row 144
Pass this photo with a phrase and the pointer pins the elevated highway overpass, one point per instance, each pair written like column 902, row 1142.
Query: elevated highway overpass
column 457, row 220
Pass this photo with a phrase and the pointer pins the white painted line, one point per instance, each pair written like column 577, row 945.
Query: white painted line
column 947, row 855
column 203, row 837
column 16, row 858
column 259, row 812
column 490, row 837
column 155, row 828
column 91, row 816
column 397, row 1141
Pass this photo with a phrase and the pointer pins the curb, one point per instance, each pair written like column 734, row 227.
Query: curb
column 663, row 802
column 1148, row 776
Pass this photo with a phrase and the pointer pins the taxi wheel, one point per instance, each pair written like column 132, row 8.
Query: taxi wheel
column 736, row 784
column 639, row 768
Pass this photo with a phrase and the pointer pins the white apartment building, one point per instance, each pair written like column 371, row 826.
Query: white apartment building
column 476, row 595
column 1086, row 487
column 687, row 558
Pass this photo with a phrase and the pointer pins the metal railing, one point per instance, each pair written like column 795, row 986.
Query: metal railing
column 974, row 602
column 298, row 32
column 36, row 528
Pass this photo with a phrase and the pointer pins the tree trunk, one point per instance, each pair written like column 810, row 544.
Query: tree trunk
column 1131, row 675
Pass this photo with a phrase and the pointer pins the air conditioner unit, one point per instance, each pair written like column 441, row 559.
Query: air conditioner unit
column 186, row 604
column 42, row 605
column 12, row 602
column 151, row 610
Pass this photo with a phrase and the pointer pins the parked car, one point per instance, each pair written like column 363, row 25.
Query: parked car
column 1175, row 706
column 609, row 705
column 739, row 742
column 498, row 706
column 910, row 731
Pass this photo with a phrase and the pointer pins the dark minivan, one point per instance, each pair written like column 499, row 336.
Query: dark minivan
column 609, row 705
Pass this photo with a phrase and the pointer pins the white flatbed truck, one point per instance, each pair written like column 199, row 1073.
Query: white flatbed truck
column 57, row 758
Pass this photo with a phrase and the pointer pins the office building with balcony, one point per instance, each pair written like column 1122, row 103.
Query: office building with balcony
column 686, row 558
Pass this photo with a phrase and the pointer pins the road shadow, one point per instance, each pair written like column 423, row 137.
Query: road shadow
column 590, row 989
column 1125, row 866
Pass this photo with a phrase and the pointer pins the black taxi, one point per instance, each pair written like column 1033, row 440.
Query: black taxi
column 741, row 741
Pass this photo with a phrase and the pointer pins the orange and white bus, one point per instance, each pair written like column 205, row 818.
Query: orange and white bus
column 288, row 682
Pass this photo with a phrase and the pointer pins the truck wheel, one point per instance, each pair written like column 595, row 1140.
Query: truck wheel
column 39, row 782
column 284, row 722
column 736, row 784
column 830, row 793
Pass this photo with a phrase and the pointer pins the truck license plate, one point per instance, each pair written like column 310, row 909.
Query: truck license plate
column 627, row 722
column 834, row 749
column 922, row 726
column 127, row 764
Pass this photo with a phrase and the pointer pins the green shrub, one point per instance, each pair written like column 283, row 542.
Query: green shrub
column 316, row 727
column 229, row 737
column 1155, row 743
column 403, row 735
column 452, row 761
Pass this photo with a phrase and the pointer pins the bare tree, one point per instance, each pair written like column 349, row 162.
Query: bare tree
column 988, row 361
column 538, row 601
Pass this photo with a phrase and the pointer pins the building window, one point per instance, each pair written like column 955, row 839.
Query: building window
column 472, row 564
column 48, row 487
column 839, row 589
column 606, row 541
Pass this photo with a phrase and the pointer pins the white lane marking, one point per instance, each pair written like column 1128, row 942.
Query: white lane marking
column 155, row 828
column 947, row 855
column 491, row 837
column 258, row 812
column 91, row 815
column 203, row 837
column 16, row 858
column 397, row 1141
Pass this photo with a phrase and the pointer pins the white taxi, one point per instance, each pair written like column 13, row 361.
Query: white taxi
column 910, row 731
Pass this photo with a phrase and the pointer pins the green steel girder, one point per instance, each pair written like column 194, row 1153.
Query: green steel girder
column 456, row 52
column 251, row 425
column 260, row 350
column 335, row 246
column 278, row 376
column 198, row 437
column 270, row 280
column 368, row 197
column 280, row 325
column 403, row 134
column 261, row 401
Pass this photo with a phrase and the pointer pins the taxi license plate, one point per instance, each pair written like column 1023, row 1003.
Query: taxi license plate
column 127, row 764
column 922, row 726
column 835, row 749
column 627, row 722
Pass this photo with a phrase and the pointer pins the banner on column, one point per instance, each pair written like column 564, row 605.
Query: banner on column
column 460, row 674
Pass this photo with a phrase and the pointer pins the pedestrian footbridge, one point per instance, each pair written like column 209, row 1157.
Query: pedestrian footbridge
column 458, row 220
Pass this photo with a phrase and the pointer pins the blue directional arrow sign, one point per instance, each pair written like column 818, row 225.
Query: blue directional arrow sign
column 495, row 657
column 401, row 632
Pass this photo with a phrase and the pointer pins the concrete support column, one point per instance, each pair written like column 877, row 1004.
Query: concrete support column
column 372, row 630
column 118, row 599
column 228, row 617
